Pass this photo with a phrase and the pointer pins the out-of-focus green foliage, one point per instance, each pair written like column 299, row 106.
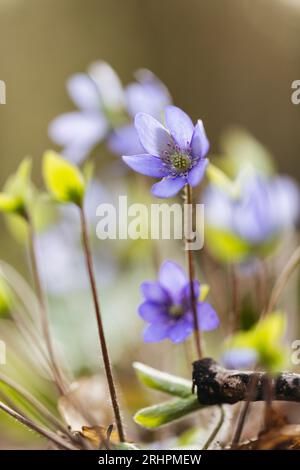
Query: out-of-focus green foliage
column 6, row 297
column 265, row 338
column 17, row 190
column 217, row 177
column 238, row 147
column 64, row 180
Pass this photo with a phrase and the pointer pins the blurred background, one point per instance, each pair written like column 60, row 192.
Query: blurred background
column 228, row 62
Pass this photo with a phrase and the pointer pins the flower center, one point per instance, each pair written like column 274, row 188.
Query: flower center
column 176, row 310
column 180, row 161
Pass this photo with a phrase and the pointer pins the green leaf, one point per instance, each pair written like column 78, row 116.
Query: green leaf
column 162, row 381
column 204, row 290
column 17, row 190
column 63, row 179
column 265, row 337
column 225, row 246
column 164, row 413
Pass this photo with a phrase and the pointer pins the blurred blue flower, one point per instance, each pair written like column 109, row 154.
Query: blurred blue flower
column 176, row 153
column 106, row 111
column 167, row 306
column 240, row 358
column 266, row 207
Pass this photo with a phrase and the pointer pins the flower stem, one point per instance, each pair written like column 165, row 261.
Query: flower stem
column 104, row 349
column 42, row 307
column 190, row 263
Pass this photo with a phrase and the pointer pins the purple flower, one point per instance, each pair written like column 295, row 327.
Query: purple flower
column 148, row 95
column 106, row 111
column 176, row 153
column 167, row 306
column 265, row 208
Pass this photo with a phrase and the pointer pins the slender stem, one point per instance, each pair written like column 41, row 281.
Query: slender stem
column 283, row 279
column 62, row 443
column 235, row 299
column 104, row 349
column 190, row 264
column 216, row 429
column 42, row 306
column 36, row 404
column 245, row 408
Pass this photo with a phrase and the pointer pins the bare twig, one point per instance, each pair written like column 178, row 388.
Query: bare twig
column 217, row 385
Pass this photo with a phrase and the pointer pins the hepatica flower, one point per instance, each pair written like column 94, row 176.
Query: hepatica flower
column 167, row 306
column 265, row 209
column 106, row 110
column 176, row 153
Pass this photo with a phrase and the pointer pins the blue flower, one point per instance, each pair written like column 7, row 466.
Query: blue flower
column 167, row 306
column 240, row 358
column 265, row 208
column 106, row 111
column 176, row 153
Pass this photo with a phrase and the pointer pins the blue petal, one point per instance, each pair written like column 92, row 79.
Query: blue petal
column 180, row 126
column 125, row 141
column 154, row 292
column 180, row 331
column 168, row 187
column 146, row 165
column 185, row 294
column 173, row 278
column 156, row 332
column 149, row 95
column 83, row 92
column 153, row 136
column 200, row 143
column 152, row 312
column 207, row 317
column 240, row 358
column 78, row 133
column 197, row 172
column 109, row 85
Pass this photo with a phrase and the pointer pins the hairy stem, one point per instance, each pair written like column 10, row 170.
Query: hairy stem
column 36, row 404
column 104, row 349
column 43, row 310
column 283, row 279
column 60, row 442
column 191, row 274
column 215, row 430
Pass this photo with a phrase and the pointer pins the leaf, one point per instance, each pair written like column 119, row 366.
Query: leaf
column 225, row 246
column 204, row 290
column 96, row 435
column 63, row 179
column 164, row 413
column 217, row 177
column 17, row 190
column 163, row 381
